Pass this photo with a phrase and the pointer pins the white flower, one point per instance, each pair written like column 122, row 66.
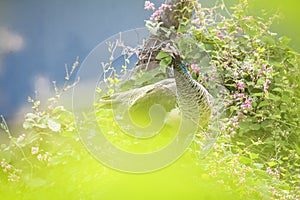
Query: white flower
column 34, row 150
column 39, row 157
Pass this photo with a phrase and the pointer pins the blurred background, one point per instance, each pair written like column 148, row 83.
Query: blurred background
column 37, row 38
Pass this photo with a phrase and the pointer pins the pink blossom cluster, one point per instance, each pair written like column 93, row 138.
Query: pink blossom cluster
column 235, row 74
column 195, row 68
column 235, row 121
column 156, row 15
column 149, row 6
column 13, row 173
column 264, row 69
column 239, row 29
column 164, row 7
column 204, row 79
column 228, row 103
column 199, row 15
column 266, row 85
column 240, row 85
column 248, row 66
column 239, row 96
column 273, row 173
column 247, row 104
column 232, row 126
column 196, row 21
column 220, row 35
column 5, row 166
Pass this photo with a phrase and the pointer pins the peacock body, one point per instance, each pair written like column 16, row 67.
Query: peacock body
column 194, row 100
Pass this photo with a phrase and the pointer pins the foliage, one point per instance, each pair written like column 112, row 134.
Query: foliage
column 260, row 72
column 256, row 157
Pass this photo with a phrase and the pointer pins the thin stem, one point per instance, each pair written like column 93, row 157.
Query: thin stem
column 6, row 129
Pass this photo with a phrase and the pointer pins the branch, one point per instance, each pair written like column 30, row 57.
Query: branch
column 168, row 19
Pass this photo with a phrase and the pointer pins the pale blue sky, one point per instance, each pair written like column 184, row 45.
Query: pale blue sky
column 54, row 33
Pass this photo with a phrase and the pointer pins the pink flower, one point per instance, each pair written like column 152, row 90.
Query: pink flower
column 235, row 74
column 247, row 66
column 240, row 85
column 235, row 118
column 239, row 96
column 273, row 173
column 238, row 29
column 247, row 104
column 220, row 36
column 196, row 21
column 230, row 102
column 259, row 72
column 195, row 68
column 155, row 15
column 204, row 79
column 248, row 101
column 211, row 78
column 165, row 6
column 149, row 6
column 266, row 85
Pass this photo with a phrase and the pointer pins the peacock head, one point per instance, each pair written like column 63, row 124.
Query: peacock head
column 170, row 48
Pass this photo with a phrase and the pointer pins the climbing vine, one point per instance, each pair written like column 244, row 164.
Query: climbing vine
column 259, row 71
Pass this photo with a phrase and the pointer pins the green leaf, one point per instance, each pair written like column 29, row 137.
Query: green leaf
column 233, row 108
column 36, row 104
column 258, row 115
column 277, row 116
column 165, row 62
column 258, row 94
column 297, row 148
column 277, row 90
column 245, row 160
column 266, row 124
column 58, row 109
column 260, row 81
column 272, row 163
column 263, row 104
column 274, row 97
column 284, row 40
column 258, row 165
column 285, row 158
column 54, row 126
column 41, row 125
column 240, row 143
column 162, row 55
column 31, row 116
column 27, row 125
column 255, row 127
column 253, row 156
column 244, row 125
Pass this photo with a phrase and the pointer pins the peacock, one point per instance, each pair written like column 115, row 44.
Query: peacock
column 194, row 103
column 194, row 100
